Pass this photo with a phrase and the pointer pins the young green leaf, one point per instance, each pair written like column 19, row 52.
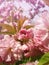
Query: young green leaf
column 28, row 26
column 20, row 22
column 6, row 29
column 44, row 59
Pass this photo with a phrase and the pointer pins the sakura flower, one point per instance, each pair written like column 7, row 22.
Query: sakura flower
column 41, row 32
column 9, row 49
column 25, row 35
column 28, row 46
column 39, row 41
column 1, row 1
column 20, row 40
column 45, row 19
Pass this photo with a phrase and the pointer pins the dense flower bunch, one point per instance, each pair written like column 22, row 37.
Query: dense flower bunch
column 19, row 35
column 29, row 9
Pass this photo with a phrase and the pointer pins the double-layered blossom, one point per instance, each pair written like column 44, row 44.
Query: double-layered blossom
column 9, row 49
column 27, row 41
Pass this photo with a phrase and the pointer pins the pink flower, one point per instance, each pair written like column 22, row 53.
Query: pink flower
column 25, row 34
column 30, row 50
column 1, row 1
column 28, row 45
column 9, row 49
column 41, row 32
column 45, row 17
column 38, row 40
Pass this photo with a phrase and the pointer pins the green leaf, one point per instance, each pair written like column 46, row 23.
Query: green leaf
column 44, row 59
column 6, row 29
column 20, row 22
column 28, row 26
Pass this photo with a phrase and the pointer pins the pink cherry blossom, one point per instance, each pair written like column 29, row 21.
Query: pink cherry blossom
column 25, row 34
column 41, row 32
column 9, row 49
column 27, row 42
